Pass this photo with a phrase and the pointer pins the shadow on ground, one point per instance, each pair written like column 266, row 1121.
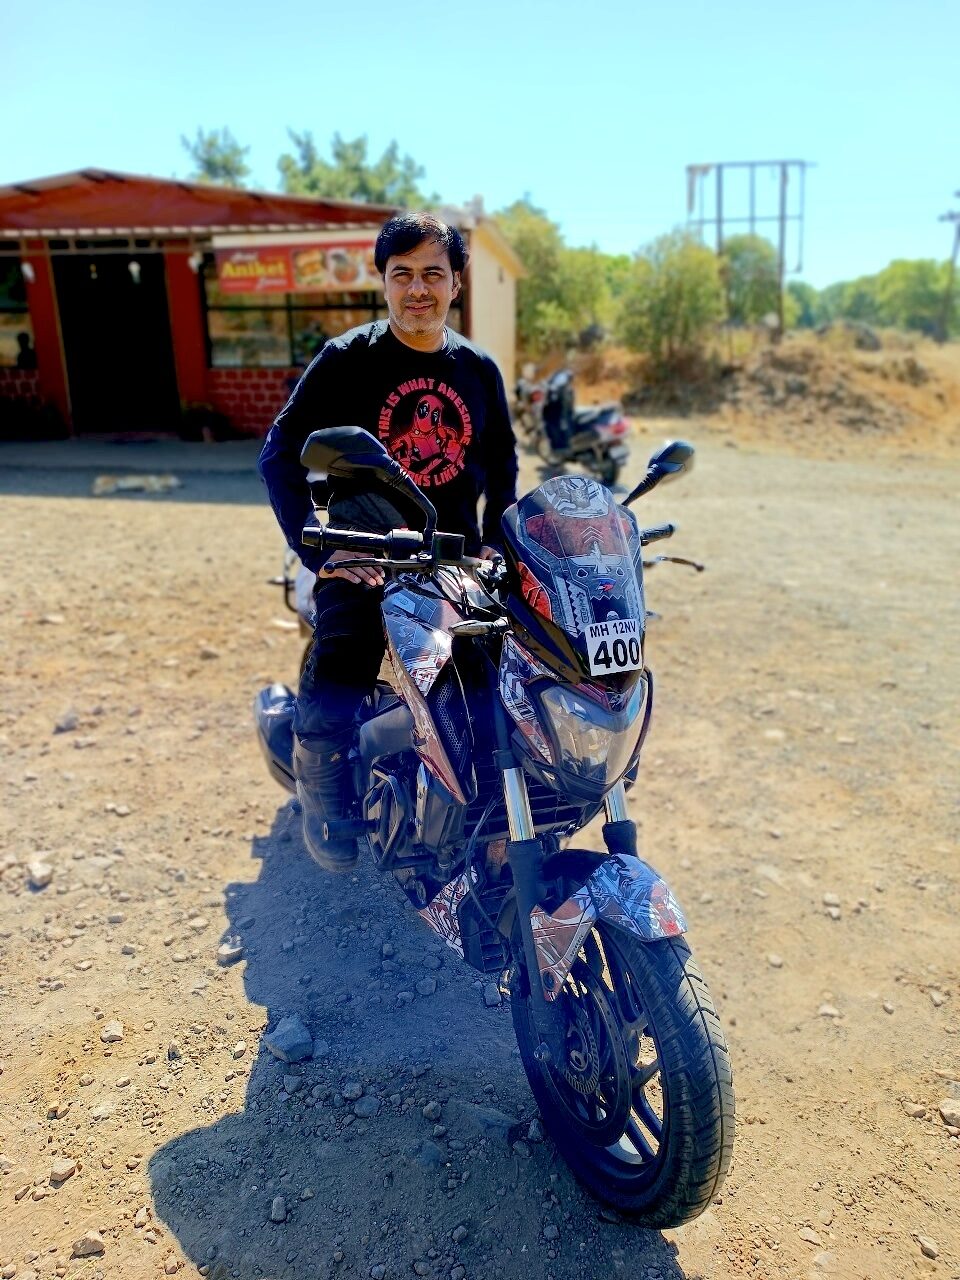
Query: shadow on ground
column 219, row 473
column 389, row 1188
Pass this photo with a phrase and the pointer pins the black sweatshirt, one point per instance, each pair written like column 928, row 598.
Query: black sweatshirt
column 442, row 414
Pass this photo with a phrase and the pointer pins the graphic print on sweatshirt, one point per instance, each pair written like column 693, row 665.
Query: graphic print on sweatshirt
column 426, row 426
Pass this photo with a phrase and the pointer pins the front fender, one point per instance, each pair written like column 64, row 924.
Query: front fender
column 626, row 894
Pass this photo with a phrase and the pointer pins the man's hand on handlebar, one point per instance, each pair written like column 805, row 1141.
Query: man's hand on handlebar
column 362, row 575
column 490, row 553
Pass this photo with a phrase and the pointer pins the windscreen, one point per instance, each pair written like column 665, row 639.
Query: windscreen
column 578, row 557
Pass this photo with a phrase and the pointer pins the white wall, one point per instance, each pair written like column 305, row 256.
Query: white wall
column 493, row 302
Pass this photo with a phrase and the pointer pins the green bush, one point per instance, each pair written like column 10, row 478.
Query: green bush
column 675, row 296
column 752, row 278
column 565, row 292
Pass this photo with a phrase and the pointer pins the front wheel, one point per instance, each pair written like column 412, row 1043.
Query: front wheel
column 642, row 1107
column 608, row 471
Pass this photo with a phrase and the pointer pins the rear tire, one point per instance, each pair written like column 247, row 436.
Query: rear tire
column 642, row 1111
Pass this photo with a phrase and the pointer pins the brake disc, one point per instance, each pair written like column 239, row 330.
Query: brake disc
column 581, row 1073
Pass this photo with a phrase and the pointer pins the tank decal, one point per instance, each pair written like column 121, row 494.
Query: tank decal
column 418, row 631
column 418, row 654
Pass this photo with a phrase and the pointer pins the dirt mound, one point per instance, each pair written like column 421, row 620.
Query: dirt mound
column 838, row 393
column 812, row 391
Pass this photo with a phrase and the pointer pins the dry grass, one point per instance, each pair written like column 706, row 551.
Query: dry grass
column 810, row 392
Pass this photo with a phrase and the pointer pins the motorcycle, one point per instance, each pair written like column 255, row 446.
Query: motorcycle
column 518, row 706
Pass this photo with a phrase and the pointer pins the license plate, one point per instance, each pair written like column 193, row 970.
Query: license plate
column 618, row 452
column 614, row 646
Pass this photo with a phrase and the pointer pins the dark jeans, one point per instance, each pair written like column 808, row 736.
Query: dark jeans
column 343, row 663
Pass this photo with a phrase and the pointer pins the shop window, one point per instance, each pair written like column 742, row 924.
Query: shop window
column 311, row 329
column 256, row 330
column 282, row 330
column 249, row 338
column 16, row 329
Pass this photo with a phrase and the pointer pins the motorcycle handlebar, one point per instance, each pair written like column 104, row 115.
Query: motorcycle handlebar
column 398, row 544
column 657, row 532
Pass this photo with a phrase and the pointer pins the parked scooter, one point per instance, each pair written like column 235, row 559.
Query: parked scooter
column 519, row 704
column 594, row 437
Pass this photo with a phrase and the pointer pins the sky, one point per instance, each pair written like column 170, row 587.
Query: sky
column 592, row 110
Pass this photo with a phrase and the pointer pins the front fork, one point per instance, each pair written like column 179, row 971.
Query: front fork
column 525, row 856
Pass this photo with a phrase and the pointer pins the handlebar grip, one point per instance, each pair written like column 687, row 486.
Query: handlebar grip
column 657, row 532
column 398, row 543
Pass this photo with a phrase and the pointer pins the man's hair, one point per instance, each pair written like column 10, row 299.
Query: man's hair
column 407, row 231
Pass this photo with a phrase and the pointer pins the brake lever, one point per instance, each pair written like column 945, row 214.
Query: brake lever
column 648, row 564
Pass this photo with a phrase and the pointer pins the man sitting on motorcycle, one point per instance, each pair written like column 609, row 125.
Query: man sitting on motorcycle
column 439, row 406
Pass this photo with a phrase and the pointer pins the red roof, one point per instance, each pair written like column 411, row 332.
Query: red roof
column 97, row 201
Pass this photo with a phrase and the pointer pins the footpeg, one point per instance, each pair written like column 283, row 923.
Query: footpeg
column 347, row 828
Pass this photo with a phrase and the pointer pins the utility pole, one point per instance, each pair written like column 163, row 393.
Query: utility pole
column 953, row 217
column 697, row 175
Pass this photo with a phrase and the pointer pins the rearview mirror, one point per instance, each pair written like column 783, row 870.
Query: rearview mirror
column 673, row 460
column 345, row 451
column 351, row 453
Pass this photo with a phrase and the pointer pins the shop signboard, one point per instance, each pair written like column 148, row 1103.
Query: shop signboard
column 321, row 266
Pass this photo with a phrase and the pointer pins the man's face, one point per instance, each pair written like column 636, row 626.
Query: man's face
column 420, row 287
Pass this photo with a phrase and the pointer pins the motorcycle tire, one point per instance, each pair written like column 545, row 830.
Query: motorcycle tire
column 607, row 472
column 643, row 1109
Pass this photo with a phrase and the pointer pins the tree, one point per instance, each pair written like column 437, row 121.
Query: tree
column 564, row 292
column 675, row 297
column 807, row 306
column 910, row 294
column 906, row 294
column 537, row 242
column 218, row 157
column 858, row 301
column 349, row 175
column 752, row 278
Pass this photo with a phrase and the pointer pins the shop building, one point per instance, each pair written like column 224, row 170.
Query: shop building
column 133, row 304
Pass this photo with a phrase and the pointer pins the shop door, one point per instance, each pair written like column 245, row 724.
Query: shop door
column 116, row 339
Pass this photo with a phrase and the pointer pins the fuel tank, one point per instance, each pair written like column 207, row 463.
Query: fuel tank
column 417, row 618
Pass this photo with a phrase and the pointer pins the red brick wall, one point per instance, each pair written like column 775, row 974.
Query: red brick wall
column 250, row 398
column 20, row 384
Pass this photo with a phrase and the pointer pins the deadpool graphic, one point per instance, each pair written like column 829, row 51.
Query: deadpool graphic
column 426, row 427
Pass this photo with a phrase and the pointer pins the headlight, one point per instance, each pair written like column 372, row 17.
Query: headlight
column 593, row 743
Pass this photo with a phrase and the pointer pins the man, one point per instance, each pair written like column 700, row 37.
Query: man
column 439, row 406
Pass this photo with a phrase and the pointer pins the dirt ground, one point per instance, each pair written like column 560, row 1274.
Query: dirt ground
column 798, row 790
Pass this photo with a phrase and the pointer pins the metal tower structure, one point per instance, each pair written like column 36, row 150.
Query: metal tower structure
column 706, row 208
